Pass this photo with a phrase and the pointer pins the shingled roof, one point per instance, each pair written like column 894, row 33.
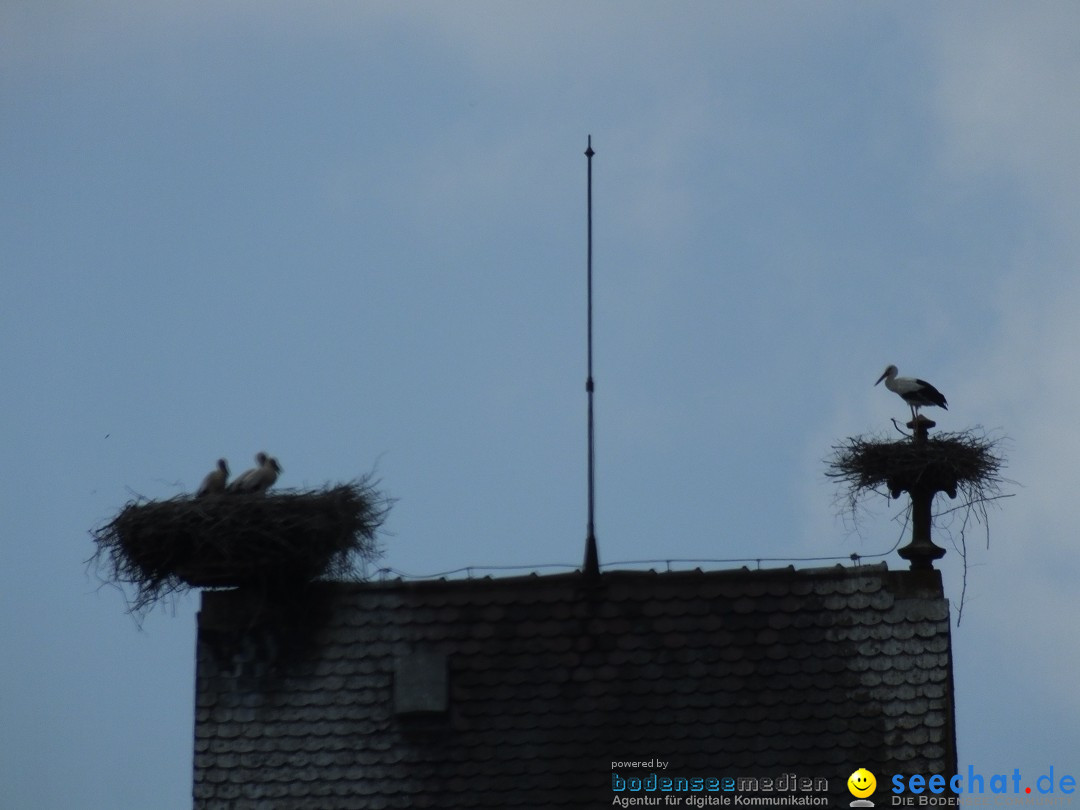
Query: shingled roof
column 526, row 691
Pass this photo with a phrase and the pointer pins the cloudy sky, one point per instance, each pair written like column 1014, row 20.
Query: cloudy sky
column 353, row 234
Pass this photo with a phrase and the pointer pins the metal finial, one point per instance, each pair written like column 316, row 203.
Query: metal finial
column 591, row 566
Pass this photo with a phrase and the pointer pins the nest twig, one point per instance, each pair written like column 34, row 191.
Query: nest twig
column 270, row 541
column 966, row 462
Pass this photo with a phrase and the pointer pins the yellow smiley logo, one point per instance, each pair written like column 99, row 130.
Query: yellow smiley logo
column 861, row 783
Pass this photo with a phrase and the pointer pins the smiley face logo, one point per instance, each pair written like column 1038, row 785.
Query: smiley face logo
column 861, row 783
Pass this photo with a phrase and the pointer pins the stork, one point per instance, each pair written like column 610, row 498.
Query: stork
column 272, row 471
column 915, row 392
column 214, row 483
column 258, row 479
column 242, row 482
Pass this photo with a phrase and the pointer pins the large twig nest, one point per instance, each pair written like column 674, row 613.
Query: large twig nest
column 270, row 541
column 964, row 462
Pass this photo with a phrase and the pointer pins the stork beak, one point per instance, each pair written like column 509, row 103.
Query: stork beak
column 882, row 377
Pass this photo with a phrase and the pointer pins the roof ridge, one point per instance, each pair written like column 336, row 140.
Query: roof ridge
column 788, row 571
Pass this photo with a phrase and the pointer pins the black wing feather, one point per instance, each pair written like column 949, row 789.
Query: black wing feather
column 928, row 395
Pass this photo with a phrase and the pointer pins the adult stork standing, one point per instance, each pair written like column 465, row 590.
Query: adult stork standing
column 915, row 392
column 259, row 478
column 214, row 483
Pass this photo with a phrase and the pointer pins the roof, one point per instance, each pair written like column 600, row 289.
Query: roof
column 525, row 691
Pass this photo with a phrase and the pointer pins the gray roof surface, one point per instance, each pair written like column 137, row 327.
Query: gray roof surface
column 549, row 680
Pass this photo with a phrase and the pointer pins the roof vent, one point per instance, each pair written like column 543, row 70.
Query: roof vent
column 420, row 683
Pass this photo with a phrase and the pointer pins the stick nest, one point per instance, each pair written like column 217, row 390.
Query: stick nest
column 280, row 540
column 967, row 462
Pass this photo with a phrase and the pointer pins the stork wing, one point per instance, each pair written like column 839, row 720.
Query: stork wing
column 931, row 394
column 242, row 482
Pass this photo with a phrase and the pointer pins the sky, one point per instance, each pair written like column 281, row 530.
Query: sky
column 353, row 235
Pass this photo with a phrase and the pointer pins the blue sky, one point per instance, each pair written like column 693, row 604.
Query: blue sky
column 352, row 234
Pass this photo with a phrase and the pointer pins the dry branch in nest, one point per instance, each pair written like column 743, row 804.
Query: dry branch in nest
column 272, row 541
column 965, row 462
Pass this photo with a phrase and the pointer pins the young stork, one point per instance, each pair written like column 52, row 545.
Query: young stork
column 258, row 479
column 273, row 470
column 916, row 393
column 214, row 483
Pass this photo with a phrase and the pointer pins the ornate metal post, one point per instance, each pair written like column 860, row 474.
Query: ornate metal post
column 922, row 484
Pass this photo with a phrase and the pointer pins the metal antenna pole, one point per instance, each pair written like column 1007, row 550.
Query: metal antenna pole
column 591, row 567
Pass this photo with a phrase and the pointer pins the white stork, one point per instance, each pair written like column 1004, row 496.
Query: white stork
column 915, row 392
column 257, row 479
column 273, row 470
column 214, row 483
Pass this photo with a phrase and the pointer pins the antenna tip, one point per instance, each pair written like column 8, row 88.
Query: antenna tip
column 589, row 151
